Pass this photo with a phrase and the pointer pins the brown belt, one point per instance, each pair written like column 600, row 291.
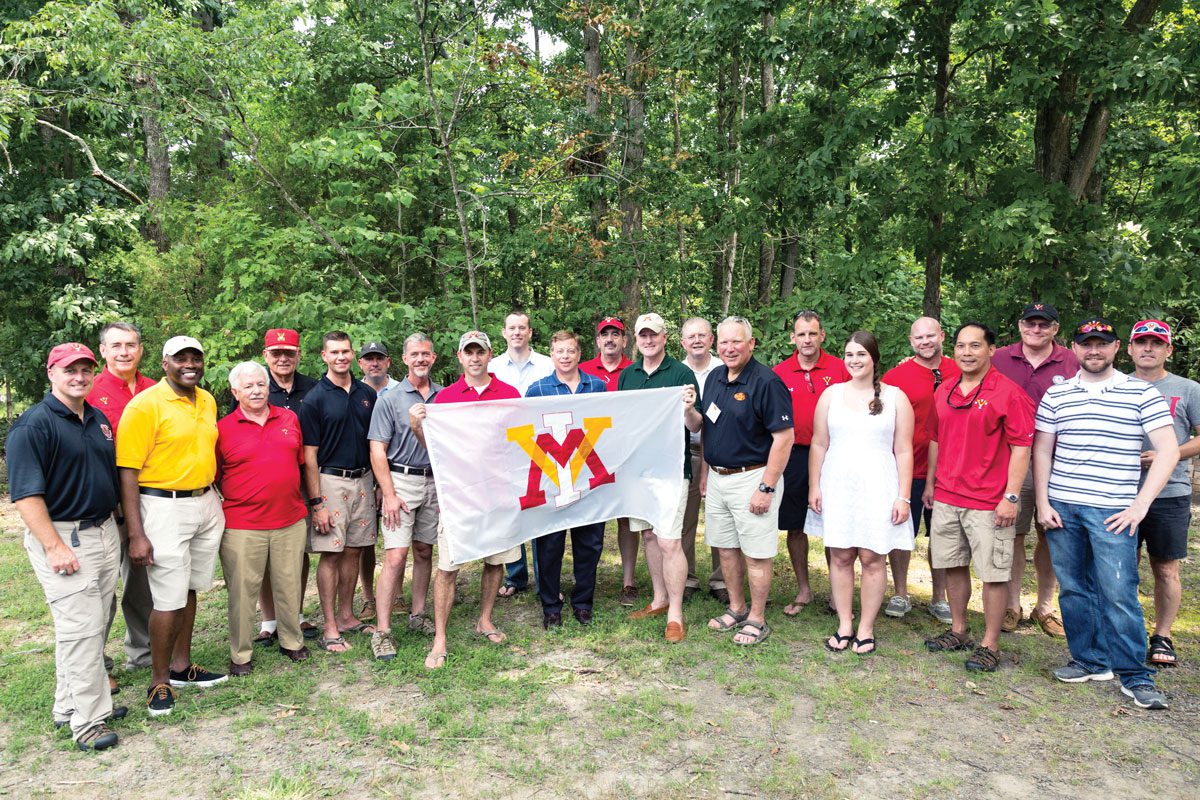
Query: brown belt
column 735, row 470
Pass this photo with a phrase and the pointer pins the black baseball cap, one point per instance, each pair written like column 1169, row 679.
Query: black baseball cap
column 1043, row 310
column 374, row 347
column 1095, row 328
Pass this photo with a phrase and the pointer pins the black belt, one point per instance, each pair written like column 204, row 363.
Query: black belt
column 85, row 524
column 735, row 470
column 345, row 473
column 404, row 470
column 173, row 495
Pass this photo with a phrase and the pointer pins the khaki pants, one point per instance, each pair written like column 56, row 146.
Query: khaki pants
column 691, row 521
column 135, row 608
column 246, row 558
column 79, row 605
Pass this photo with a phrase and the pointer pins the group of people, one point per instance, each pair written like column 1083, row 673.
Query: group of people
column 115, row 473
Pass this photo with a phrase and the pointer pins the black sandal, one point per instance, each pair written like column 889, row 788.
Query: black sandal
column 856, row 642
column 847, row 639
column 1162, row 652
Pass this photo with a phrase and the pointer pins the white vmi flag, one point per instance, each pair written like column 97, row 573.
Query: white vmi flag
column 511, row 470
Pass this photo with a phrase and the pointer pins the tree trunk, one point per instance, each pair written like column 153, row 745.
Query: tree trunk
column 631, row 167
column 158, row 159
column 942, row 24
column 734, row 175
column 680, row 238
column 766, row 248
column 595, row 155
column 791, row 251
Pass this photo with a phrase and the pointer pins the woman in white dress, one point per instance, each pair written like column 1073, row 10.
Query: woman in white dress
column 860, row 475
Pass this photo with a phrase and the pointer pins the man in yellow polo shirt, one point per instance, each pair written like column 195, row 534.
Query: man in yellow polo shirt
column 167, row 463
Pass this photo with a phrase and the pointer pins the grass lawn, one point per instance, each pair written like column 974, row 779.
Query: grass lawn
column 610, row 711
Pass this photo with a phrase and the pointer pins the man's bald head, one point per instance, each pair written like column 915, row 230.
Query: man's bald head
column 926, row 337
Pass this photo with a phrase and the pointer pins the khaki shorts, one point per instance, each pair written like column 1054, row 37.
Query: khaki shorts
column 351, row 506
column 420, row 522
column 446, row 565
column 959, row 537
column 185, row 533
column 676, row 531
column 728, row 522
column 1027, row 508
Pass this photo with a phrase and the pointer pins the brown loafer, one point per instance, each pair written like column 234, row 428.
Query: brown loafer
column 240, row 670
column 295, row 655
column 648, row 611
column 1051, row 624
column 675, row 632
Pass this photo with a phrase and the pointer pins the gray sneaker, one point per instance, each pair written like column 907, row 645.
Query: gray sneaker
column 898, row 606
column 1146, row 696
column 1074, row 672
column 382, row 646
column 941, row 612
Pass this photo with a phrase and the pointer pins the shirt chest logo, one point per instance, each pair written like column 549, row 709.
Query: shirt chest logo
column 827, row 379
column 740, row 396
column 107, row 431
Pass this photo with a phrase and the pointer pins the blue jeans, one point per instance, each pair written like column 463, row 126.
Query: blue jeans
column 516, row 573
column 1098, row 593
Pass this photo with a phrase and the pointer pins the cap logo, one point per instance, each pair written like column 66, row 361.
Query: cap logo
column 1039, row 306
column 279, row 337
column 76, row 346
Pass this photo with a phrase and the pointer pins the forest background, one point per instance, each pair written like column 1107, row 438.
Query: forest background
column 218, row 168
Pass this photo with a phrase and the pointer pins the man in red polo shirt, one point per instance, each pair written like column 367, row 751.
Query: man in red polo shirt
column 919, row 377
column 259, row 453
column 607, row 365
column 807, row 373
column 476, row 384
column 980, row 433
column 1035, row 363
column 115, row 385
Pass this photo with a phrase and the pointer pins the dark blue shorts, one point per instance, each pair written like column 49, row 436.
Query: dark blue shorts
column 1165, row 528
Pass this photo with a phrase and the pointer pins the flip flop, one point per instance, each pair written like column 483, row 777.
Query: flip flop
column 856, row 642
column 361, row 627
column 438, row 659
column 849, row 639
column 489, row 634
column 328, row 644
column 794, row 608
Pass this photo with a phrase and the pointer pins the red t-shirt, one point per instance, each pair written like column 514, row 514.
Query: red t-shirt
column 806, row 387
column 973, row 442
column 110, row 394
column 258, row 469
column 917, row 382
column 596, row 367
column 460, row 392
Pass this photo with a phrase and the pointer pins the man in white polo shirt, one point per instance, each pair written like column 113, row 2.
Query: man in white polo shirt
column 1086, row 468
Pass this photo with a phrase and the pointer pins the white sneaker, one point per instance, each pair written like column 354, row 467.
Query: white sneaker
column 941, row 612
column 898, row 606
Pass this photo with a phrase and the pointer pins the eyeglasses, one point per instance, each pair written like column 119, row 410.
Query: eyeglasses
column 282, row 353
column 1038, row 324
column 1150, row 326
column 1095, row 326
column 937, row 378
column 970, row 398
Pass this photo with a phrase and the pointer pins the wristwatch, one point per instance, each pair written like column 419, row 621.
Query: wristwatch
column 1012, row 498
column 762, row 487
column 313, row 502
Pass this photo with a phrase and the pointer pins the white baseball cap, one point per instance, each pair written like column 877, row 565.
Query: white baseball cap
column 178, row 343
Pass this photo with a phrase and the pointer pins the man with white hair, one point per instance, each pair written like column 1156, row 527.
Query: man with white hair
column 259, row 453
column 748, row 435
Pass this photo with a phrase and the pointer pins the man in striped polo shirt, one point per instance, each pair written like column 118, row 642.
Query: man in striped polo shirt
column 1086, row 468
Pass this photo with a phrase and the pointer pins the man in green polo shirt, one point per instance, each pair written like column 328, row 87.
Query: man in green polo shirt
column 665, row 559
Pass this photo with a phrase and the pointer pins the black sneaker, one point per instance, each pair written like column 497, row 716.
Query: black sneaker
column 118, row 712
column 160, row 700
column 97, row 737
column 196, row 675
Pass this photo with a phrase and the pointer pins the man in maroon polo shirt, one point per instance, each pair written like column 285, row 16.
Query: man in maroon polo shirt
column 919, row 377
column 1034, row 363
column 807, row 373
column 476, row 384
column 980, row 431
column 115, row 385
column 259, row 455
column 607, row 365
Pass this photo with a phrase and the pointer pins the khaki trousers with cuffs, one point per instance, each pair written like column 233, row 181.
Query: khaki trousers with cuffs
column 79, row 606
column 249, row 557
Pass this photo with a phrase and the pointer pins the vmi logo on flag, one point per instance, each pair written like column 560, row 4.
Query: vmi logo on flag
column 560, row 454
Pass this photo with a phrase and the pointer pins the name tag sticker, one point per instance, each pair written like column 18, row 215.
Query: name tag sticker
column 713, row 412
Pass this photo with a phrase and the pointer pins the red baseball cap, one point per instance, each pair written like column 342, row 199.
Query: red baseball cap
column 68, row 353
column 610, row 322
column 281, row 339
column 1154, row 328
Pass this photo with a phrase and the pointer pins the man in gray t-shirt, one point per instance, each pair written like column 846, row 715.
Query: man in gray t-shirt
column 1165, row 528
column 405, row 479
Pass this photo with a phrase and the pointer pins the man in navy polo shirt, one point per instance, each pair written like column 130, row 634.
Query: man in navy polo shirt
column 63, row 477
column 335, row 418
column 748, row 436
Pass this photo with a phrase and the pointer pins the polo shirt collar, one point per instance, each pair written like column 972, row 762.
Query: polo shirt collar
column 273, row 412
column 174, row 395
column 1057, row 354
column 743, row 376
column 406, row 386
column 60, row 408
column 822, row 361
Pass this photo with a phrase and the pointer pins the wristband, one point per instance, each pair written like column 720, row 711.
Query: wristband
column 313, row 502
